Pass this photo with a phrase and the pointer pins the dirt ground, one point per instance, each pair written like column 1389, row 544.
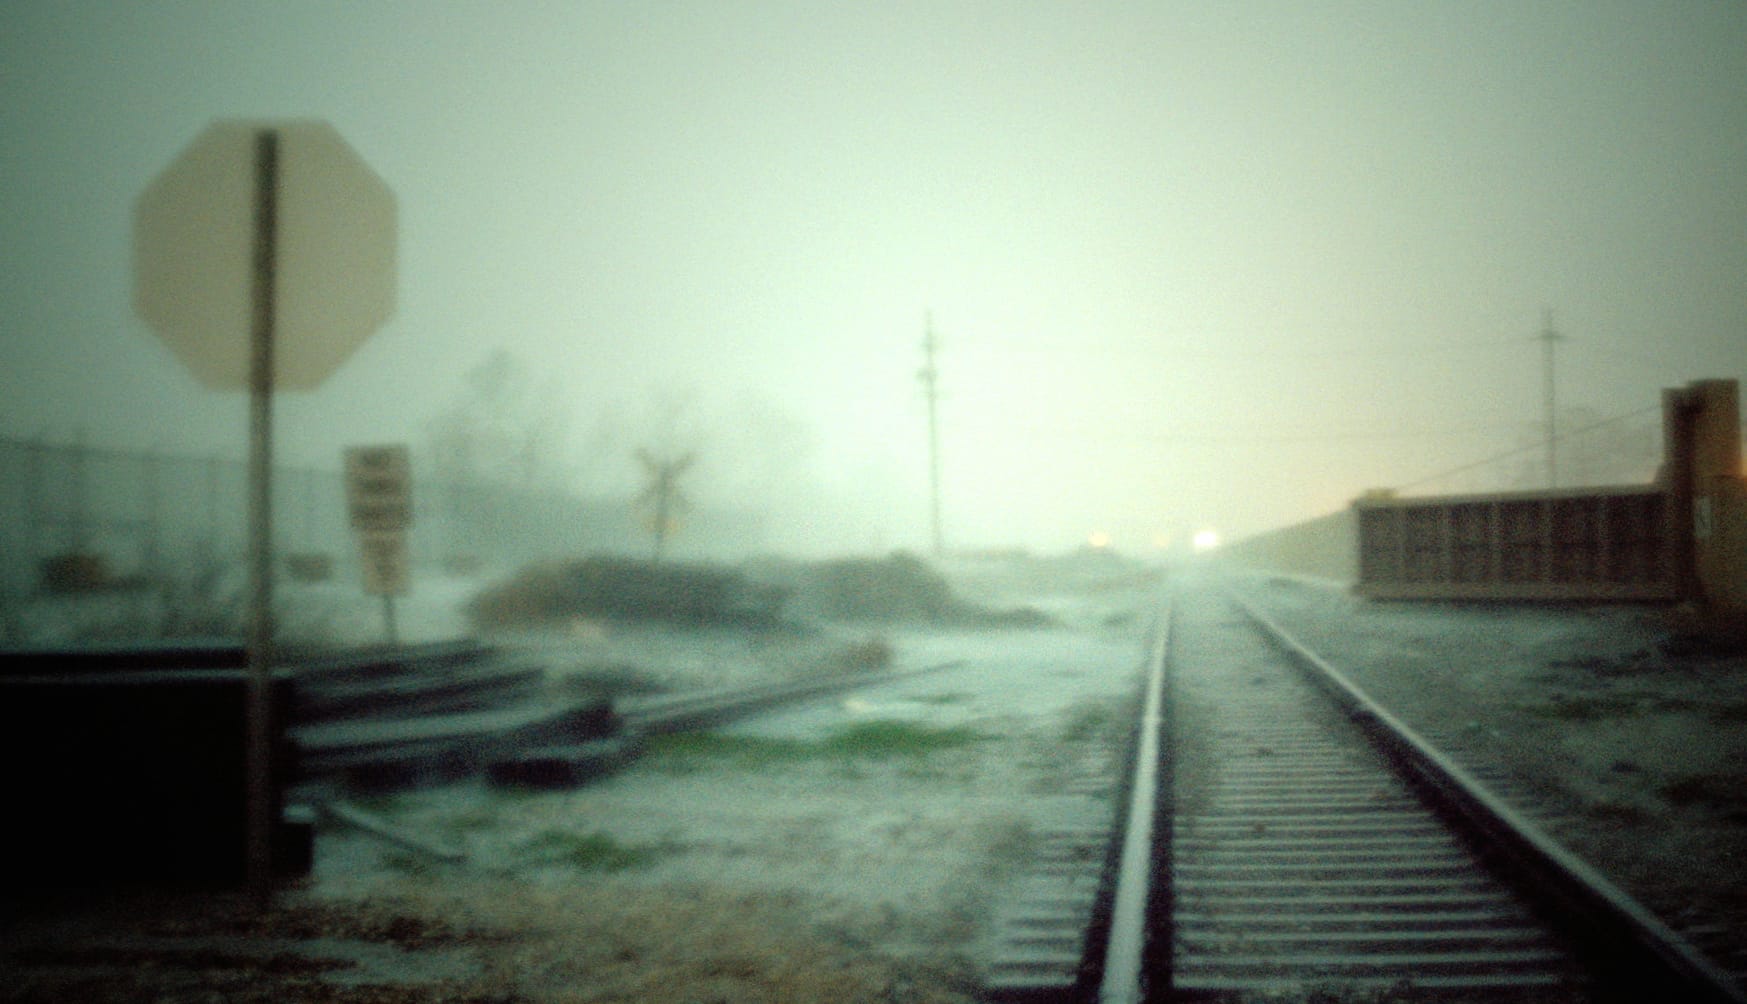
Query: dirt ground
column 859, row 866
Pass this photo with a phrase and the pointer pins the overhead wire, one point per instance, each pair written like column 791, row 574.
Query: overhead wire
column 1254, row 438
column 1417, row 347
column 1541, row 445
column 1244, row 352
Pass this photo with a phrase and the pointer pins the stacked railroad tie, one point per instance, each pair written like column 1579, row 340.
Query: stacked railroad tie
column 408, row 716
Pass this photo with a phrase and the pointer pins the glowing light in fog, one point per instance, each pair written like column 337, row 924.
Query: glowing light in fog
column 1205, row 540
column 1098, row 540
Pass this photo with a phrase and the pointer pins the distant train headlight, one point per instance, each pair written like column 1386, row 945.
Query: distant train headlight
column 1205, row 540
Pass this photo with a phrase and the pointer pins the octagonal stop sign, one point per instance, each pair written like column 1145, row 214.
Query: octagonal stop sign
column 194, row 238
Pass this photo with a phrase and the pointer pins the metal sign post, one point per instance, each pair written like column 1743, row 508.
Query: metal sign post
column 258, row 756
column 263, row 256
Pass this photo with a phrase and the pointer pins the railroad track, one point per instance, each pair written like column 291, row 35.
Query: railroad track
column 1301, row 859
column 1284, row 838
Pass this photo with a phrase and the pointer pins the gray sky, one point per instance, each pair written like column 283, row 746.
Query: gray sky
column 1191, row 265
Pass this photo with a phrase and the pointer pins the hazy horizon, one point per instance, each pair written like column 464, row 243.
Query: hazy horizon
column 1221, row 267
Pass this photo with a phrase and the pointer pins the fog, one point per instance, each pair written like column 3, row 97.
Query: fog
column 1189, row 266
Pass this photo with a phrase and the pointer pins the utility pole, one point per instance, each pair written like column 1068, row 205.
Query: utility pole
column 1548, row 338
column 929, row 374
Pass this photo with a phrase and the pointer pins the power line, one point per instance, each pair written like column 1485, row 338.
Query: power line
column 1569, row 433
column 1273, row 353
column 1256, row 438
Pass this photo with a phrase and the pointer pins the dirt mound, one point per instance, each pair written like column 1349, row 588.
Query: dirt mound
column 627, row 590
column 898, row 588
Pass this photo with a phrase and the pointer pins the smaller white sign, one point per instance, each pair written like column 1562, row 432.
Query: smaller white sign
column 383, row 555
column 379, row 487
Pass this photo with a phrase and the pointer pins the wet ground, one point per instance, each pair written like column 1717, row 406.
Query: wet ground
column 842, row 850
column 849, row 849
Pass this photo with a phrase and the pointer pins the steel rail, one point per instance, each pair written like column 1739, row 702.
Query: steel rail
column 701, row 709
column 1643, row 957
column 1140, row 900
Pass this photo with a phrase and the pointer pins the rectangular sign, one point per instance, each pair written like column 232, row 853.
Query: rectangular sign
column 383, row 556
column 379, row 487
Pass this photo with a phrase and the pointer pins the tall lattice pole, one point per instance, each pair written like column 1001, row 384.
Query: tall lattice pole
column 930, row 377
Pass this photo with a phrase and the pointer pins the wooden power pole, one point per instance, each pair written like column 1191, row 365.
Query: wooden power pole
column 1548, row 338
column 930, row 377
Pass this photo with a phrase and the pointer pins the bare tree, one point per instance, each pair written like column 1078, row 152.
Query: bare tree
column 502, row 429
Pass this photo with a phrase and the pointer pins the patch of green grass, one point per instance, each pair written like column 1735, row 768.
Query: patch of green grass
column 596, row 852
column 686, row 752
column 945, row 698
column 884, row 739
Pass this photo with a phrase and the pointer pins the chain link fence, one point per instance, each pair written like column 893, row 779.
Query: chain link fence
column 78, row 520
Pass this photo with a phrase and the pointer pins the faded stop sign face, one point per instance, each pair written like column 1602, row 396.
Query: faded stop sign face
column 335, row 253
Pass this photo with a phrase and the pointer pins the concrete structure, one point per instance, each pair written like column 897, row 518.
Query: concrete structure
column 1680, row 539
column 1704, row 475
column 1589, row 544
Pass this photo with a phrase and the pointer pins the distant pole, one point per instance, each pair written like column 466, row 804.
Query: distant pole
column 258, row 715
column 1548, row 338
column 930, row 377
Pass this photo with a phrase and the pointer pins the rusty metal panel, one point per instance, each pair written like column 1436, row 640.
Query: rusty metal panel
column 1584, row 544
